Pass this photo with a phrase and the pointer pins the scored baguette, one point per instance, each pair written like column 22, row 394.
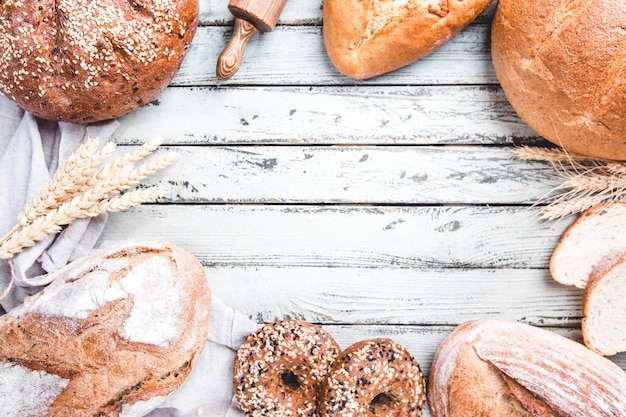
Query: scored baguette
column 113, row 335
column 505, row 368
column 604, row 306
column 597, row 232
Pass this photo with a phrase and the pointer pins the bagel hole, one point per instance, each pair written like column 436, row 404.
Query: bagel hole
column 290, row 379
column 382, row 402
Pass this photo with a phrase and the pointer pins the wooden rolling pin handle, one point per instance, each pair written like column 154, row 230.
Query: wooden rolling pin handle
column 230, row 59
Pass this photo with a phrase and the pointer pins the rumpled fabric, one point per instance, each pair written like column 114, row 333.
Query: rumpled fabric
column 208, row 391
column 31, row 149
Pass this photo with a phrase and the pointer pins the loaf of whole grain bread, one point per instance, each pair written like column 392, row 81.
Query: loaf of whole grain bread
column 83, row 61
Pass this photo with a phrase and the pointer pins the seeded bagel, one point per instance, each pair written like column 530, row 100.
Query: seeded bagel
column 376, row 377
column 279, row 369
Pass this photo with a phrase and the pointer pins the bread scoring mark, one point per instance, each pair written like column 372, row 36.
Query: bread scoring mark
column 98, row 362
column 440, row 8
column 85, row 352
column 381, row 14
column 567, row 376
column 564, row 14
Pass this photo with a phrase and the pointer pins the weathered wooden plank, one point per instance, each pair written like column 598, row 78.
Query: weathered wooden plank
column 355, row 175
column 296, row 55
column 348, row 236
column 328, row 115
column 396, row 296
column 295, row 12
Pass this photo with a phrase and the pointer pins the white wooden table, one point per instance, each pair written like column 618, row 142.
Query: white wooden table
column 392, row 207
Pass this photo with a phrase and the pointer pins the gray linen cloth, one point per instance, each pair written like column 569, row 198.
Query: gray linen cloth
column 31, row 149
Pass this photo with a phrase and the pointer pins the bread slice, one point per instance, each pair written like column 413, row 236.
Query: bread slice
column 597, row 232
column 604, row 306
column 504, row 368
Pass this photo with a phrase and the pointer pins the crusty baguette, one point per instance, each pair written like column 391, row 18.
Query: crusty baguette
column 604, row 306
column 364, row 39
column 597, row 232
column 561, row 66
column 505, row 368
column 113, row 335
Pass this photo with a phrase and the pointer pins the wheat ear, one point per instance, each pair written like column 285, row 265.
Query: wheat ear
column 586, row 181
column 67, row 180
column 79, row 189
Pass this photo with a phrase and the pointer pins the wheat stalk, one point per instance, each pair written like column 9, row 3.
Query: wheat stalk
column 66, row 180
column 124, row 161
column 532, row 153
column 586, row 181
column 79, row 190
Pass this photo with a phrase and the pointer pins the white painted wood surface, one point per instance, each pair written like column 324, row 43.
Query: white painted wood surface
column 392, row 207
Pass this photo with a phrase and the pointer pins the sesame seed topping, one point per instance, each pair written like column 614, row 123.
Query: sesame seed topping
column 373, row 375
column 279, row 369
column 81, row 42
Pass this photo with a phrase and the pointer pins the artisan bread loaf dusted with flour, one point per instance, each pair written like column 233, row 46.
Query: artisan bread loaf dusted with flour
column 83, row 61
column 368, row 38
column 113, row 335
column 508, row 369
column 561, row 64
column 596, row 233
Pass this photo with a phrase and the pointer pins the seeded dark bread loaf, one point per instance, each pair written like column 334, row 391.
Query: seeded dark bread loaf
column 508, row 369
column 562, row 66
column 368, row 38
column 84, row 61
column 113, row 335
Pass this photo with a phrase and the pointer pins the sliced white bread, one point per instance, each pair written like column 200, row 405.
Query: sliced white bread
column 597, row 232
column 604, row 306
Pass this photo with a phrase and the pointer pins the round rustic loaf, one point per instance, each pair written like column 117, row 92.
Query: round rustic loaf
column 562, row 66
column 85, row 61
column 113, row 335
column 504, row 368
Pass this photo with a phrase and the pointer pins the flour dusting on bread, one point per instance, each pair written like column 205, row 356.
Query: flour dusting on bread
column 39, row 386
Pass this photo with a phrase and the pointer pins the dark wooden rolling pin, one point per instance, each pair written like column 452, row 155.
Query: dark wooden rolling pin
column 250, row 16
